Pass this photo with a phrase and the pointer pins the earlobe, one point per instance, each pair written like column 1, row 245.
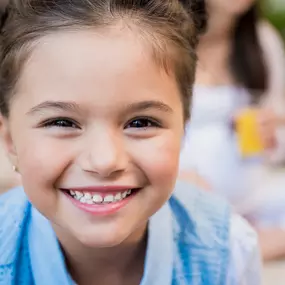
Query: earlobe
column 7, row 141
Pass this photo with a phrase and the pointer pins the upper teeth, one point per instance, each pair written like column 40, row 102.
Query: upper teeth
column 96, row 198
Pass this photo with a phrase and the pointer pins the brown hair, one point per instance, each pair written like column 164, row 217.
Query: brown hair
column 171, row 27
column 247, row 59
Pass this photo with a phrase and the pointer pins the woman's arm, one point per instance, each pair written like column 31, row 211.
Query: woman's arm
column 195, row 179
column 274, row 100
column 274, row 56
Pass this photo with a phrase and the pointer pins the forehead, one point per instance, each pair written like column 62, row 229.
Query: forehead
column 78, row 53
column 88, row 61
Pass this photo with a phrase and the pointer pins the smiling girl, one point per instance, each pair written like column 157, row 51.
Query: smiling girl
column 95, row 97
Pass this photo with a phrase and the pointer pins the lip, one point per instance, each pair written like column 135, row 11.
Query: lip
column 100, row 189
column 100, row 209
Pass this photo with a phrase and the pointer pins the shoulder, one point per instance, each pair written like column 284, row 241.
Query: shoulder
column 14, row 207
column 244, row 261
column 222, row 243
column 273, row 49
column 12, row 201
column 272, row 46
column 268, row 35
column 199, row 204
column 274, row 58
column 201, row 232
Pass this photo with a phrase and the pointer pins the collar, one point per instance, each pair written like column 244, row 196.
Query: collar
column 159, row 255
column 47, row 260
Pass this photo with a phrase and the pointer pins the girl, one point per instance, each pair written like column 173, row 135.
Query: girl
column 95, row 97
column 241, row 65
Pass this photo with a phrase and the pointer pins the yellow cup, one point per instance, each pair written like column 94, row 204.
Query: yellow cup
column 247, row 132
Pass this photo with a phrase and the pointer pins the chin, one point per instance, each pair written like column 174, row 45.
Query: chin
column 101, row 238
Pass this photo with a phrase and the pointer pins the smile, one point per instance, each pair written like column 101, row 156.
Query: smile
column 97, row 198
column 101, row 201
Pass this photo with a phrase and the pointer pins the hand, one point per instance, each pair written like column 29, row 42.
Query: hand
column 195, row 179
column 267, row 123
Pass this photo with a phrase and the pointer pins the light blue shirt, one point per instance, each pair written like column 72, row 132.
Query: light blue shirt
column 189, row 243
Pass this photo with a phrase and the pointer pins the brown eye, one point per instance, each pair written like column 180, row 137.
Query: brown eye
column 142, row 123
column 60, row 123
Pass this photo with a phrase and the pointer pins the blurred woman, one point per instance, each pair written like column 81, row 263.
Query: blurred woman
column 241, row 65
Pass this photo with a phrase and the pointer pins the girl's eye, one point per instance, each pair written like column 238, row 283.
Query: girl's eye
column 61, row 123
column 142, row 123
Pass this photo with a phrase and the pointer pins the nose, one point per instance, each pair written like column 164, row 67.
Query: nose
column 104, row 155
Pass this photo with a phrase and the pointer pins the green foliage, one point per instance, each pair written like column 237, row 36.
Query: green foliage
column 274, row 11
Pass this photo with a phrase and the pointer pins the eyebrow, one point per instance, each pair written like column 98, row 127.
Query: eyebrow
column 73, row 107
column 152, row 104
column 59, row 105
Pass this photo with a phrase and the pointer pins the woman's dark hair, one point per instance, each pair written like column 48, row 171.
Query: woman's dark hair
column 247, row 61
column 170, row 27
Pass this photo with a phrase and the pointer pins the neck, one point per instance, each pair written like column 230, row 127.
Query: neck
column 220, row 26
column 121, row 264
column 214, row 51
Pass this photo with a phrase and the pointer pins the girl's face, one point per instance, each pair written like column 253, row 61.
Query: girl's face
column 232, row 7
column 94, row 114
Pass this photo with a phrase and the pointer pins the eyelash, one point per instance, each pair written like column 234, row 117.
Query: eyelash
column 68, row 123
column 55, row 123
column 151, row 123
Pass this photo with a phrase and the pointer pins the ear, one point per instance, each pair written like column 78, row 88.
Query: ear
column 7, row 140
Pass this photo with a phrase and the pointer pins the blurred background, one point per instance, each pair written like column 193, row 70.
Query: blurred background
column 235, row 142
column 274, row 11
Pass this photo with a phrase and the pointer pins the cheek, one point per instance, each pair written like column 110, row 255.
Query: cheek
column 44, row 158
column 41, row 162
column 159, row 158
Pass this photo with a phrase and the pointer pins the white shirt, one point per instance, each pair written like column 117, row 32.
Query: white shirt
column 245, row 262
